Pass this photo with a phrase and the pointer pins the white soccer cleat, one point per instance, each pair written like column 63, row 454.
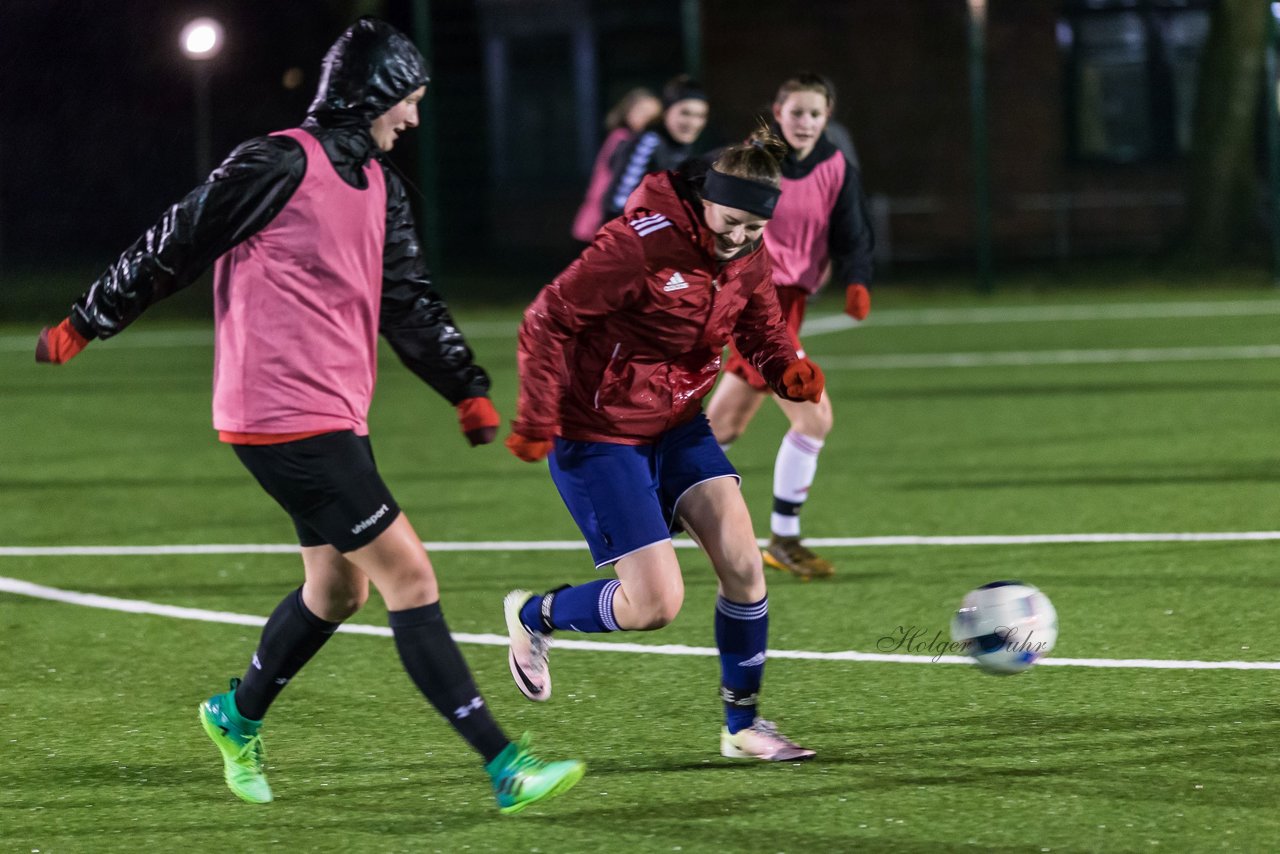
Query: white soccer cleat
column 762, row 740
column 527, row 654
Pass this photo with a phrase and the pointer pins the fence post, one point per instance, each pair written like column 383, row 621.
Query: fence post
column 1271, row 89
column 426, row 136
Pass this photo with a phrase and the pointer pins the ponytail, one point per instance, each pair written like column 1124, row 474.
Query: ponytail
column 758, row 159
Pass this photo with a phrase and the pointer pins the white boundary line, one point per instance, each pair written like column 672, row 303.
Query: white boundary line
column 18, row 587
column 1041, row 314
column 975, row 359
column 143, row 338
column 579, row 545
column 1028, row 358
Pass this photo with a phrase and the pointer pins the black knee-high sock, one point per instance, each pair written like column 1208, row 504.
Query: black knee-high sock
column 437, row 667
column 291, row 637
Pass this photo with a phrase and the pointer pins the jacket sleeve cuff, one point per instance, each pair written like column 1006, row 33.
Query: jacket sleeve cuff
column 542, row 432
column 81, row 325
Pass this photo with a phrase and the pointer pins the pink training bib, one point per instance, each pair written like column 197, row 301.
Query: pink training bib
column 296, row 308
column 797, row 235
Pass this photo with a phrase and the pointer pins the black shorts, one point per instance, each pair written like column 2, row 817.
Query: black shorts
column 328, row 484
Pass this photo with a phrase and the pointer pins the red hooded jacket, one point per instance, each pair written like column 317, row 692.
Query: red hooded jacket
column 624, row 344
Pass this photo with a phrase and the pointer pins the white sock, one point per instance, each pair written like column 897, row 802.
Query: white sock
column 783, row 525
column 793, row 474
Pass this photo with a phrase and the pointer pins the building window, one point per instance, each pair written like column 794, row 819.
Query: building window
column 1131, row 72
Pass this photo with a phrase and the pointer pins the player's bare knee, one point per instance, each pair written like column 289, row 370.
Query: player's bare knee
column 408, row 587
column 826, row 422
column 743, row 581
column 349, row 602
column 741, row 565
column 671, row 608
column 816, row 424
column 663, row 612
column 658, row 611
column 726, row 429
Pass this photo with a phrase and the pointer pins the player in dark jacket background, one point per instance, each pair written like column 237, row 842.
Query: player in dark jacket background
column 315, row 254
column 821, row 224
column 615, row 357
column 628, row 118
column 666, row 144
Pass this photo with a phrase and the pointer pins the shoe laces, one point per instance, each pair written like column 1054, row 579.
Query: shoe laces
column 796, row 550
column 539, row 645
column 770, row 730
column 522, row 765
column 252, row 752
column 765, row 727
column 525, row 762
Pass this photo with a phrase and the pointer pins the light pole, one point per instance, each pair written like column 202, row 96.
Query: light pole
column 981, row 153
column 201, row 40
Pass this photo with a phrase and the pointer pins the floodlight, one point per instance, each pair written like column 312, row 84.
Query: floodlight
column 201, row 39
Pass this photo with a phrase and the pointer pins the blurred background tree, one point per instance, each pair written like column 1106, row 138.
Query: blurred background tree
column 1223, row 186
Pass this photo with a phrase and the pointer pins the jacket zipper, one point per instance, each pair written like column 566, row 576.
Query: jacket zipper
column 608, row 364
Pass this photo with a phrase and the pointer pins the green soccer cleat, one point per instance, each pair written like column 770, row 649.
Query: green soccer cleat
column 240, row 744
column 521, row 779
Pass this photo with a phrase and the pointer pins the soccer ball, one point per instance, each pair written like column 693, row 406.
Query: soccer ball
column 1006, row 626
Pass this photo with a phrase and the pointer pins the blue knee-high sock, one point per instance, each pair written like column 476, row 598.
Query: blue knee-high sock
column 584, row 608
column 742, row 633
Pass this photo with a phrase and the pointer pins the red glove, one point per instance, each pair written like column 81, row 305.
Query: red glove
column 803, row 380
column 529, row 450
column 479, row 420
column 58, row 344
column 857, row 301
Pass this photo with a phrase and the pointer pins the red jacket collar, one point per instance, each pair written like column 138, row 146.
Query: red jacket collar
column 657, row 194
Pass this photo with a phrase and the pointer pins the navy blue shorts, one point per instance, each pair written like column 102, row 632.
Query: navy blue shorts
column 624, row 497
column 328, row 484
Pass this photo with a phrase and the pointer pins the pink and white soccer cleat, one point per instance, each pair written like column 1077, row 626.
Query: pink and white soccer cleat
column 527, row 655
column 762, row 740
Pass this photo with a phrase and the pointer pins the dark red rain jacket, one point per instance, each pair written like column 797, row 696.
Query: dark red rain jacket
column 624, row 344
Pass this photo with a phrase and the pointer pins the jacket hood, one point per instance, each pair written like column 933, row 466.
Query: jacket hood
column 368, row 70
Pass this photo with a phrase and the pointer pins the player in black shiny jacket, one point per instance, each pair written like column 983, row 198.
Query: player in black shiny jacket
column 325, row 478
column 257, row 180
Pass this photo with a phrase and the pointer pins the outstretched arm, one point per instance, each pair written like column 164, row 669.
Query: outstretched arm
column 417, row 324
column 241, row 196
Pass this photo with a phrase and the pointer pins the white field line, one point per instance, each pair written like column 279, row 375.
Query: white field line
column 142, row 338
column 203, row 337
column 889, row 361
column 1041, row 314
column 579, row 545
column 1028, row 358
column 18, row 587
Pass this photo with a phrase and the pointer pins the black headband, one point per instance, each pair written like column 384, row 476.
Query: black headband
column 741, row 193
column 683, row 92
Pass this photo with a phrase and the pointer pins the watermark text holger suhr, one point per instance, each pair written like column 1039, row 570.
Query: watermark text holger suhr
column 913, row 639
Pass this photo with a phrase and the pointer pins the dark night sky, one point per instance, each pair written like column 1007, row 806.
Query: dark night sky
column 97, row 128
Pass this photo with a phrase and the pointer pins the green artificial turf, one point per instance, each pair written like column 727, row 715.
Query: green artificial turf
column 101, row 750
